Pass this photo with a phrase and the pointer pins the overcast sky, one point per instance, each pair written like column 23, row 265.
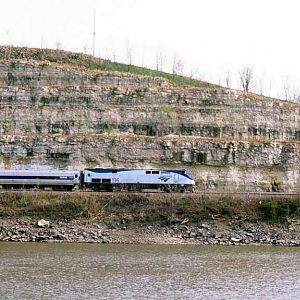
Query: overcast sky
column 212, row 38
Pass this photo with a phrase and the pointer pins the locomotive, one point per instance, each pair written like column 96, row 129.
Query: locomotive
column 100, row 179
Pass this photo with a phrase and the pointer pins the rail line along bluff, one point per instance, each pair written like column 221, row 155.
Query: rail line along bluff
column 57, row 110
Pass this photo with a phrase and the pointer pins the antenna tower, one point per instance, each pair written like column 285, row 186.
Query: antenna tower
column 94, row 33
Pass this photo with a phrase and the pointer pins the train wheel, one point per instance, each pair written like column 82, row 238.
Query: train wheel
column 167, row 188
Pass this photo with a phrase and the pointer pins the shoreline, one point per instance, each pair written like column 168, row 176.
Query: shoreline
column 217, row 232
column 167, row 218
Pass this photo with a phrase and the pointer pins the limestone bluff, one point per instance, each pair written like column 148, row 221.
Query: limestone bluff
column 56, row 113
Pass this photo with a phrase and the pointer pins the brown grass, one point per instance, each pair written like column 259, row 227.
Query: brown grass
column 154, row 208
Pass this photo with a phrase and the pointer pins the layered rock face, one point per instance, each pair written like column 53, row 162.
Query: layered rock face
column 58, row 116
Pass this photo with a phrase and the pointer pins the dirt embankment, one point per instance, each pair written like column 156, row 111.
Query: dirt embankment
column 149, row 218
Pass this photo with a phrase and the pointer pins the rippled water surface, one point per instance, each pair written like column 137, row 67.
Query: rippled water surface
column 93, row 271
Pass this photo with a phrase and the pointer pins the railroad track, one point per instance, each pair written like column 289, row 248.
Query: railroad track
column 207, row 193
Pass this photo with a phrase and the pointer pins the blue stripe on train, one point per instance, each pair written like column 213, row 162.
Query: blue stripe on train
column 37, row 177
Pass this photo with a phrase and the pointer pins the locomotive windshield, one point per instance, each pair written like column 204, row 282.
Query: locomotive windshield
column 188, row 175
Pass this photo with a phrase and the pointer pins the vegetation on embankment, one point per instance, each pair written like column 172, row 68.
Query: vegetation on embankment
column 148, row 208
column 94, row 63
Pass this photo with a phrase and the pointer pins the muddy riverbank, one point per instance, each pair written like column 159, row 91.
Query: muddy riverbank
column 209, row 233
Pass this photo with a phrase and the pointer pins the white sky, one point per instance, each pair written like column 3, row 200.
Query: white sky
column 214, row 37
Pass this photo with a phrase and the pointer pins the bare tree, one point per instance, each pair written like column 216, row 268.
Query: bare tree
column 113, row 55
column 228, row 79
column 159, row 60
column 260, row 87
column 287, row 90
column 178, row 66
column 58, row 45
column 194, row 73
column 296, row 97
column 290, row 93
column 270, row 88
column 200, row 76
column 143, row 58
column 129, row 55
column 43, row 43
column 107, row 54
column 246, row 78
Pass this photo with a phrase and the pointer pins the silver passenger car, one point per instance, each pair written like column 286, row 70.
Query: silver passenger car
column 56, row 180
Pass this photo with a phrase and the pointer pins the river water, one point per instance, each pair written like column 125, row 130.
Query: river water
column 97, row 271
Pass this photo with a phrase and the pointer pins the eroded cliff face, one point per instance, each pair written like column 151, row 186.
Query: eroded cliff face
column 58, row 116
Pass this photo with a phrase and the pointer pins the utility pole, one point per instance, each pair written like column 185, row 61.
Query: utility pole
column 94, row 33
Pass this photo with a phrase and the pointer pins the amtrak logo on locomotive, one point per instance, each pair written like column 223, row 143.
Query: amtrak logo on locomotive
column 164, row 178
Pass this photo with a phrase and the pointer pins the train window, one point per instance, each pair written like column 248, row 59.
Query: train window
column 114, row 171
column 106, row 180
column 155, row 172
column 76, row 175
column 148, row 172
column 96, row 180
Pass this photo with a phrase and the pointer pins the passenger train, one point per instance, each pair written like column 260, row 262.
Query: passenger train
column 56, row 180
column 100, row 179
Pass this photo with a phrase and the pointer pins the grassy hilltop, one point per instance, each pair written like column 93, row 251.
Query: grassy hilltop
column 94, row 63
